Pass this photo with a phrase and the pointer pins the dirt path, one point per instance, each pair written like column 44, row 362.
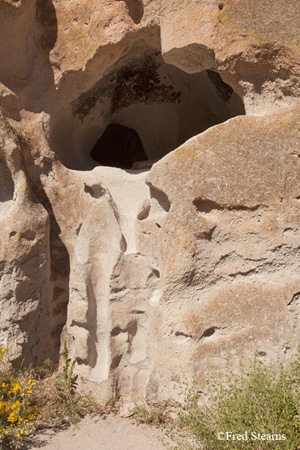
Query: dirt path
column 111, row 433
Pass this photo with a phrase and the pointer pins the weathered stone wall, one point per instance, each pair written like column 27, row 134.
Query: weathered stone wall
column 150, row 275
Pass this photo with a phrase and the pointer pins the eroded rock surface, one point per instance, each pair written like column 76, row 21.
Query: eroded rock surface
column 231, row 251
column 149, row 275
column 26, row 307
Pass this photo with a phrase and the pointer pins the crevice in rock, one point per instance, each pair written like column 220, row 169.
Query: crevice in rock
column 117, row 330
column 261, row 353
column 46, row 19
column 208, row 235
column 29, row 235
column 77, row 231
column 223, row 90
column 115, row 362
column 92, row 321
column 181, row 333
column 209, row 332
column 123, row 244
column 95, row 190
column 294, row 299
column 53, row 315
column 161, row 198
column 131, row 329
column 135, row 10
column 144, row 210
column 206, row 206
column 6, row 182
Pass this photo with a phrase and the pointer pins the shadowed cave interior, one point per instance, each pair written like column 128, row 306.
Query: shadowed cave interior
column 139, row 111
column 119, row 146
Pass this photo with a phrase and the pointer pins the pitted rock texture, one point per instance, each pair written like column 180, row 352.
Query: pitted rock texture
column 230, row 251
column 149, row 275
column 26, row 308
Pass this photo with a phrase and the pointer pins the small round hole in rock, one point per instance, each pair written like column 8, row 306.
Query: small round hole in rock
column 209, row 332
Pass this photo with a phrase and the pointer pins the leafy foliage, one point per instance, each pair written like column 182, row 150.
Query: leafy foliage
column 263, row 400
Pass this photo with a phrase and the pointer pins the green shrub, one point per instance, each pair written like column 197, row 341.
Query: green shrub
column 264, row 400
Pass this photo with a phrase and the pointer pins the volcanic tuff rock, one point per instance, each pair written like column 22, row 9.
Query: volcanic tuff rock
column 149, row 275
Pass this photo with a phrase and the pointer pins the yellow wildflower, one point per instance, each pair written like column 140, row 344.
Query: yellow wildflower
column 12, row 417
column 16, row 388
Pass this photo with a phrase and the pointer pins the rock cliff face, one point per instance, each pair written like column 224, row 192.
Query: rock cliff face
column 149, row 275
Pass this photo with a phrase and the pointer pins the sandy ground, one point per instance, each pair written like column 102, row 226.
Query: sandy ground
column 98, row 433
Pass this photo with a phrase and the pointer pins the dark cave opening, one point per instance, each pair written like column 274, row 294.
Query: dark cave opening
column 140, row 111
column 156, row 107
column 119, row 146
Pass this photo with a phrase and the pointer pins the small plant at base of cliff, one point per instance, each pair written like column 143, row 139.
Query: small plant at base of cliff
column 66, row 385
column 60, row 402
column 112, row 405
column 151, row 414
column 17, row 411
column 262, row 401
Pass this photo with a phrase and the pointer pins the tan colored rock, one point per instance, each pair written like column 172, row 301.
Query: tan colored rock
column 187, row 38
column 149, row 275
column 25, row 288
column 9, row 103
column 230, row 247
column 252, row 34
